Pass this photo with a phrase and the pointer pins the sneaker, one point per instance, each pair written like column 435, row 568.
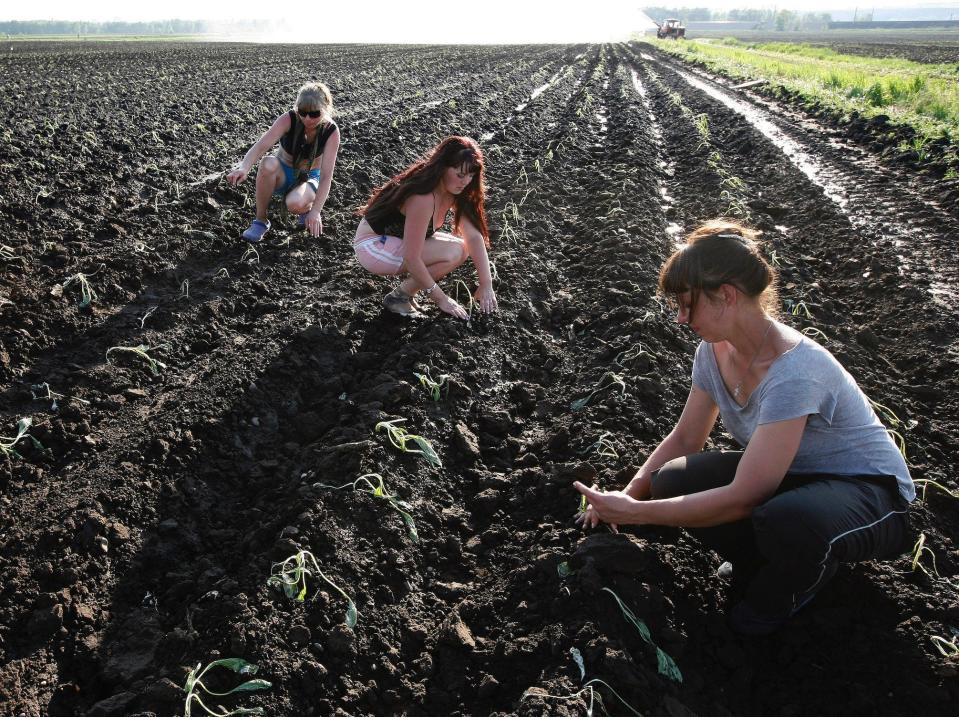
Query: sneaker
column 399, row 302
column 256, row 231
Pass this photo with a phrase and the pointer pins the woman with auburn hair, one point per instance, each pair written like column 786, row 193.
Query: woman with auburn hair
column 819, row 480
column 301, row 169
column 399, row 231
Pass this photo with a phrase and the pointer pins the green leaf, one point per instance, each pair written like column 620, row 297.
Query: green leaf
column 252, row 686
column 237, row 664
column 351, row 615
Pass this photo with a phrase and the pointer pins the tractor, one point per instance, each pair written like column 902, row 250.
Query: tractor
column 672, row 28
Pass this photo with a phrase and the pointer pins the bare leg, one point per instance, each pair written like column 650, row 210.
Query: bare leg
column 269, row 178
column 300, row 199
column 441, row 254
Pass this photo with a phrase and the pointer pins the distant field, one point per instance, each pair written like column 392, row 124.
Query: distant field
column 919, row 45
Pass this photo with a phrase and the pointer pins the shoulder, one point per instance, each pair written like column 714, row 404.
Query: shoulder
column 419, row 203
column 285, row 120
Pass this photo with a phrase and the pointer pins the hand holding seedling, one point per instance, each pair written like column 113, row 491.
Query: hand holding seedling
column 452, row 308
column 614, row 507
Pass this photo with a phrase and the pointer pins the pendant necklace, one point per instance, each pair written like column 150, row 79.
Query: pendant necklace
column 738, row 389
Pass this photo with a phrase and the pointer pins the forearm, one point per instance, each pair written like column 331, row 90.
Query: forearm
column 480, row 259
column 322, row 193
column 696, row 510
column 254, row 154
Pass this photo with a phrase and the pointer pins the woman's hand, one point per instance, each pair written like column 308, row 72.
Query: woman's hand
column 486, row 299
column 450, row 306
column 613, row 507
column 314, row 222
column 238, row 175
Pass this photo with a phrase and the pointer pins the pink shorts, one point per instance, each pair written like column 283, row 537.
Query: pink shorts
column 381, row 255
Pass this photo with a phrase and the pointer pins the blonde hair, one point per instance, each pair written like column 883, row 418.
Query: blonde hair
column 315, row 96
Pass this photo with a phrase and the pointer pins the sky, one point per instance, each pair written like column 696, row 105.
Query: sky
column 420, row 21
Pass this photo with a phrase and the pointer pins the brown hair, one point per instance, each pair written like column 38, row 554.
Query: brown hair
column 721, row 251
column 423, row 175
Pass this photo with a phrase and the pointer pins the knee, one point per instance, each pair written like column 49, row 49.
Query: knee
column 456, row 252
column 298, row 206
column 667, row 481
column 269, row 165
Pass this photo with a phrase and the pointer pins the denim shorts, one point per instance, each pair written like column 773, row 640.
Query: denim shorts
column 291, row 179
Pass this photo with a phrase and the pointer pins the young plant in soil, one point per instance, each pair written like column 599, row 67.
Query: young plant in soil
column 290, row 575
column 926, row 482
column 594, row 697
column 87, row 294
column 434, row 387
column 603, row 446
column 42, row 392
column 143, row 351
column 606, row 381
column 666, row 666
column 379, row 491
column 7, row 444
column 947, row 648
column 239, row 666
column 399, row 437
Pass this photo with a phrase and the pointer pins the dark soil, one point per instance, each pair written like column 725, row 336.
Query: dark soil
column 139, row 542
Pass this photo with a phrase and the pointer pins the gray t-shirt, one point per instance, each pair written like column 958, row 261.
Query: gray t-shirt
column 843, row 435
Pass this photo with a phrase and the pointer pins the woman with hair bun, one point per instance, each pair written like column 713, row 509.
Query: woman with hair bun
column 400, row 231
column 818, row 481
column 301, row 169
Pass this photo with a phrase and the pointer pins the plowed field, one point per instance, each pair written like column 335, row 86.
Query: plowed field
column 139, row 542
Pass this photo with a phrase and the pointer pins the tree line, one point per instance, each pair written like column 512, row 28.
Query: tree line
column 781, row 20
column 70, row 27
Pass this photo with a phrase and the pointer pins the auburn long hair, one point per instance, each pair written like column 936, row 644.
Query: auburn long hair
column 424, row 174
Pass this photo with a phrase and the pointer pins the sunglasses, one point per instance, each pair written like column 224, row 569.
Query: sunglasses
column 314, row 114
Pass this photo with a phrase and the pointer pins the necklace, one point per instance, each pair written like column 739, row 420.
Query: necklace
column 738, row 388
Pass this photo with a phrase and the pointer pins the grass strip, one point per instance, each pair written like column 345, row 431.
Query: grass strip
column 922, row 96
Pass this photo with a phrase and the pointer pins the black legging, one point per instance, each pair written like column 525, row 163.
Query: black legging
column 794, row 540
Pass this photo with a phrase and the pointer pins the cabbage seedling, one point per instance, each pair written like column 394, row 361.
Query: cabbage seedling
column 399, row 438
column 143, row 352
column 291, row 576
column 434, row 387
column 588, row 688
column 926, row 482
column 87, row 294
column 607, row 380
column 7, row 444
column 239, row 666
column 666, row 664
column 631, row 354
column 813, row 332
column 603, row 447
column 379, row 491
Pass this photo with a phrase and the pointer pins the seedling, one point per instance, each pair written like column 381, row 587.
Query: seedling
column 251, row 254
column 594, row 697
column 42, row 391
column 434, row 387
column 602, row 447
column 222, row 274
column 147, row 315
column 6, row 254
column 918, row 550
column 947, row 648
column 7, row 444
column 379, row 491
column 469, row 297
column 667, row 666
column 926, row 482
column 143, row 352
column 702, row 127
column 184, row 289
column 813, row 332
column 798, row 308
column 290, row 575
column 87, row 294
column 240, row 667
column 399, row 437
column 631, row 354
column 606, row 381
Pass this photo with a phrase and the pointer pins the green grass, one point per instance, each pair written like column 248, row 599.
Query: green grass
column 924, row 96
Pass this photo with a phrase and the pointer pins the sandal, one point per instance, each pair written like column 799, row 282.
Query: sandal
column 399, row 302
column 256, row 231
